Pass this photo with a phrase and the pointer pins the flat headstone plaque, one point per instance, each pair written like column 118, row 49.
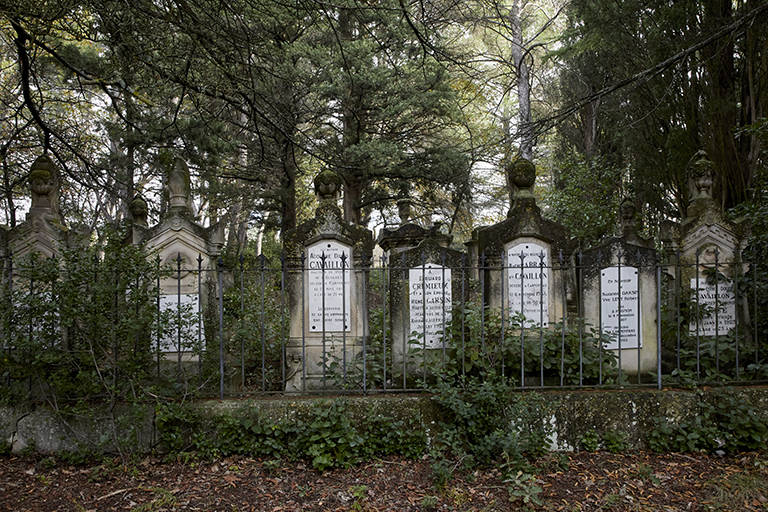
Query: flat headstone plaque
column 629, row 315
column 430, row 298
column 329, row 286
column 528, row 284
column 190, row 322
column 716, row 299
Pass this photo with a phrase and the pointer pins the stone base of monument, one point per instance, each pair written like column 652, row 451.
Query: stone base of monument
column 315, row 364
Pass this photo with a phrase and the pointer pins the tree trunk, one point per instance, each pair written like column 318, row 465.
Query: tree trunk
column 720, row 109
column 523, row 82
column 352, row 133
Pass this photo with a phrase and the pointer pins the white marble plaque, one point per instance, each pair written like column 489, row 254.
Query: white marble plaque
column 190, row 322
column 329, row 286
column 626, row 296
column 430, row 297
column 528, row 283
column 716, row 299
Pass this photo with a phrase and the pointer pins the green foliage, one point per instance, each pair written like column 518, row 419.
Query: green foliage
column 5, row 448
column 727, row 357
column 586, row 196
column 428, row 502
column 480, row 341
column 257, row 323
column 722, row 423
column 83, row 333
column 615, row 442
column 327, row 434
column 485, row 421
column 524, row 488
column 590, row 441
column 611, row 440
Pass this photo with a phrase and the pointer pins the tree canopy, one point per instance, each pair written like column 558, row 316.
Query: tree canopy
column 404, row 99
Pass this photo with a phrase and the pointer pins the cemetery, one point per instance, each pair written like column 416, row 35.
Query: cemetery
column 523, row 298
column 152, row 326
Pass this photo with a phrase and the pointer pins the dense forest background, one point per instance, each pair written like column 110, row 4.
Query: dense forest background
column 403, row 98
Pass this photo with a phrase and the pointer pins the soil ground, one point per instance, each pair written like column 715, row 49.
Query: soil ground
column 574, row 481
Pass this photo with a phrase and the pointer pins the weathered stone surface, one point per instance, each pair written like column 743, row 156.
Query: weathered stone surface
column 490, row 246
column 448, row 266
column 186, row 246
column 43, row 230
column 310, row 352
column 569, row 414
column 620, row 254
column 42, row 429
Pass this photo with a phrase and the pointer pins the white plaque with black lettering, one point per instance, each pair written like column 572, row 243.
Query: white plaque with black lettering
column 620, row 296
column 430, row 297
column 183, row 322
column 528, row 282
column 329, row 286
column 717, row 308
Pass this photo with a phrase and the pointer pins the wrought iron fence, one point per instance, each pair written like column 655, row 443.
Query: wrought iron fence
column 89, row 326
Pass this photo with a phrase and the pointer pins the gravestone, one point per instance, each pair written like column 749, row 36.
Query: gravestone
column 327, row 263
column 703, row 245
column 191, row 251
column 620, row 295
column 522, row 262
column 43, row 233
column 425, row 283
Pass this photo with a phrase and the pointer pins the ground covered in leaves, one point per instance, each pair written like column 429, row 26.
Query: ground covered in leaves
column 578, row 481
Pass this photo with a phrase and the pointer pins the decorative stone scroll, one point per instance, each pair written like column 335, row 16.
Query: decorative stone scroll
column 620, row 312
column 430, row 303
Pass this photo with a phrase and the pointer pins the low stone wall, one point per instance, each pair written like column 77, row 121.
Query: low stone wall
column 570, row 414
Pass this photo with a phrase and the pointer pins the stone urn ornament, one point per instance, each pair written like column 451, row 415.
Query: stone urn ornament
column 327, row 185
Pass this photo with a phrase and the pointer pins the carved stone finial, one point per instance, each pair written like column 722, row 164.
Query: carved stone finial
column 327, row 185
column 44, row 184
column 628, row 216
column 139, row 211
column 179, row 186
column 404, row 210
column 702, row 174
column 522, row 173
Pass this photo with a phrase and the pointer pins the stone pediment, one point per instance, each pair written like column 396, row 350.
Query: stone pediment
column 410, row 235
column 525, row 221
column 37, row 234
column 178, row 230
column 607, row 254
column 327, row 224
column 726, row 241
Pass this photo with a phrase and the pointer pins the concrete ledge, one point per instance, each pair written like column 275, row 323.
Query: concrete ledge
column 570, row 414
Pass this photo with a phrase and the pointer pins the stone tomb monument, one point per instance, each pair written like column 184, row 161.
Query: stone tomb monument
column 425, row 279
column 707, row 243
column 519, row 259
column 619, row 296
column 186, row 246
column 327, row 260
